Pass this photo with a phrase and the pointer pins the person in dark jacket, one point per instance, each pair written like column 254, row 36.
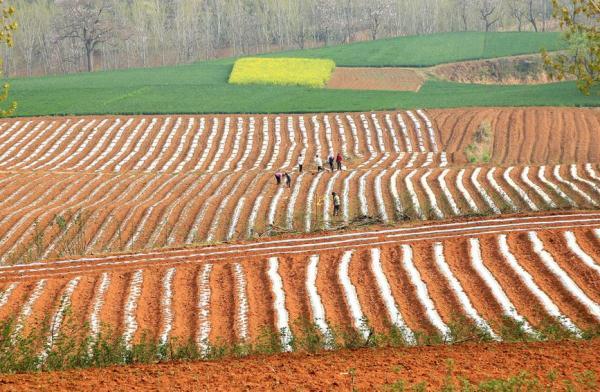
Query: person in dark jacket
column 278, row 176
column 330, row 160
column 288, row 179
column 336, row 204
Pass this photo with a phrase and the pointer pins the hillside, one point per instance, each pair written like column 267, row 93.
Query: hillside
column 202, row 87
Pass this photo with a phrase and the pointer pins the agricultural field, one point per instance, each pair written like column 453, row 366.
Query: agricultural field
column 203, row 87
column 282, row 72
column 172, row 229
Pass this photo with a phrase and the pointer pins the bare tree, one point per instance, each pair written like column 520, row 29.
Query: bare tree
column 517, row 11
column 90, row 23
column 374, row 14
column 487, row 10
column 531, row 14
column 463, row 9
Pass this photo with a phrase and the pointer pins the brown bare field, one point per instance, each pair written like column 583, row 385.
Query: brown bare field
column 173, row 226
column 359, row 78
column 372, row 369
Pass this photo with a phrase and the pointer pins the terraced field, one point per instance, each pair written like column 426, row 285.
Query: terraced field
column 73, row 187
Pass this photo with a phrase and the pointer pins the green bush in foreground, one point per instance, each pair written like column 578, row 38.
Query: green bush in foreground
column 282, row 72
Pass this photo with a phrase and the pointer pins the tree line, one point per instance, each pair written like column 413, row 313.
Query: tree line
column 64, row 36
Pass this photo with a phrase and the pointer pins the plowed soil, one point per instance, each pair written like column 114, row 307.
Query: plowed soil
column 363, row 370
column 397, row 79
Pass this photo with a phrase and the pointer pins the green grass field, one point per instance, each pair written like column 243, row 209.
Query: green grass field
column 203, row 88
column 428, row 50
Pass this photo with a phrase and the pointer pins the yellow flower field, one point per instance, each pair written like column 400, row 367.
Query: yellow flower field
column 282, row 71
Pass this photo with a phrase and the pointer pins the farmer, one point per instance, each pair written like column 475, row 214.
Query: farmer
column 300, row 163
column 278, row 176
column 339, row 159
column 330, row 160
column 319, row 163
column 288, row 179
column 336, row 204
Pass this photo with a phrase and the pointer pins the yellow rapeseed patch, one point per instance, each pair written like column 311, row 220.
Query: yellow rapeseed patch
column 282, row 71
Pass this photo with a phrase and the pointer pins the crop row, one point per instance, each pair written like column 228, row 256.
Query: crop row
column 528, row 278
column 217, row 144
column 46, row 215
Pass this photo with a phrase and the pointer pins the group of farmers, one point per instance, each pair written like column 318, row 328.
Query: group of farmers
column 334, row 162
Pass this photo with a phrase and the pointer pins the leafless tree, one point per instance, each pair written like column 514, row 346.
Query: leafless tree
column 463, row 9
column 374, row 14
column 532, row 13
column 517, row 11
column 90, row 23
column 487, row 10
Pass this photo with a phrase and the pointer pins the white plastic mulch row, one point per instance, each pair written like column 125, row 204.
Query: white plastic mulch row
column 221, row 147
column 573, row 187
column 580, row 253
column 154, row 145
column 276, row 145
column 354, row 133
column 253, row 215
column 316, row 305
column 404, row 130
column 392, row 132
column 431, row 196
column 5, row 295
column 538, row 247
column 497, row 292
column 362, row 194
column 492, row 181
column 59, row 315
column 14, row 146
column 23, row 150
column 379, row 197
column 58, row 131
column 165, row 146
column 430, row 130
column 135, row 150
column 180, row 146
column 317, row 135
column 417, row 124
column 342, row 134
column 326, row 201
column 446, row 191
column 236, row 146
column 398, row 209
column 423, row 293
column 486, row 197
column 130, row 324
column 97, row 303
column 141, row 225
column 220, row 212
column 372, row 151
column 547, row 303
column 413, row 195
column 304, row 134
column 166, row 305
column 273, row 206
column 192, row 150
column 379, row 133
column 466, row 195
column 351, row 296
column 125, row 147
column 189, row 238
column 204, row 326
column 28, row 306
column 209, row 142
column 242, row 302
column 576, row 177
column 536, row 188
column 310, row 201
column 554, row 187
column 249, row 144
column 522, row 194
column 281, row 313
column 458, row 290
column 64, row 150
column 292, row 147
column 328, row 135
column 100, row 146
column 385, row 291
column 292, row 202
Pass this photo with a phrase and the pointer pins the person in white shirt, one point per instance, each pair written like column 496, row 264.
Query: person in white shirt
column 319, row 163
